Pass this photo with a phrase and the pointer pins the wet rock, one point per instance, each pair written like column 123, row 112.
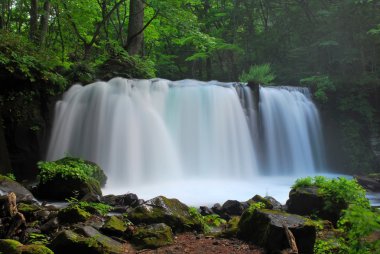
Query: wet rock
column 129, row 199
column 73, row 215
column 29, row 210
column 217, row 208
column 51, row 226
column 232, row 208
column 91, row 197
column 7, row 185
column 266, row 228
column 370, row 182
column 163, row 210
column 152, row 236
column 84, row 240
column 274, row 203
column 114, row 226
column 204, row 210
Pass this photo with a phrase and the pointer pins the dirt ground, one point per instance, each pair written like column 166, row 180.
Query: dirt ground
column 193, row 244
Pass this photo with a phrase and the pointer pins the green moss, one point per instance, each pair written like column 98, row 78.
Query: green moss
column 231, row 227
column 8, row 246
column 114, row 226
column 73, row 215
column 153, row 236
column 35, row 249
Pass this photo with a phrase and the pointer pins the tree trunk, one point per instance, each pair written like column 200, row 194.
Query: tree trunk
column 44, row 23
column 33, row 20
column 135, row 27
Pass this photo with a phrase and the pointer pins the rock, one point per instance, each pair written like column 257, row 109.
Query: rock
column 29, row 210
column 266, row 228
column 129, row 199
column 8, row 246
column 370, row 182
column 85, row 240
column 163, row 210
column 73, row 215
column 217, row 208
column 7, row 185
column 91, row 197
column 204, row 210
column 114, row 226
column 35, row 249
column 231, row 227
column 50, row 226
column 152, row 236
column 307, row 201
column 258, row 198
column 232, row 207
column 274, row 203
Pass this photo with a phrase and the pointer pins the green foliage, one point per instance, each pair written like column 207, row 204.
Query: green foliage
column 259, row 74
column 214, row 220
column 257, row 205
column 68, row 168
column 331, row 246
column 35, row 238
column 199, row 219
column 321, row 85
column 207, row 222
column 11, row 176
column 337, row 192
column 91, row 207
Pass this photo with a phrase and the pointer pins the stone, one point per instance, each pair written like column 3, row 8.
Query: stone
column 266, row 228
column 258, row 198
column 204, row 210
column 73, row 215
column 217, row 208
column 129, row 199
column 152, row 236
column 7, row 185
column 29, row 210
column 163, row 210
column 274, row 203
column 50, row 226
column 114, row 226
column 232, row 208
column 370, row 182
column 35, row 249
column 8, row 246
column 85, row 240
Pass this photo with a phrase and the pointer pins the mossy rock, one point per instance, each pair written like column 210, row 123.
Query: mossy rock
column 8, row 246
column 28, row 210
column 73, row 214
column 85, row 240
column 35, row 249
column 163, row 210
column 114, row 226
column 231, row 228
column 152, row 236
column 266, row 229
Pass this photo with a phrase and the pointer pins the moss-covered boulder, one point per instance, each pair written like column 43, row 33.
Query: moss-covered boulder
column 8, row 246
column 69, row 177
column 266, row 228
column 8, row 185
column 114, row 226
column 163, row 210
column 73, row 214
column 231, row 228
column 85, row 240
column 35, row 249
column 29, row 210
column 152, row 236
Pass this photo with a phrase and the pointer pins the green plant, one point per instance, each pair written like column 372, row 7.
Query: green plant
column 336, row 191
column 100, row 208
column 260, row 74
column 11, row 176
column 214, row 220
column 256, row 205
column 321, row 85
column 35, row 238
column 199, row 218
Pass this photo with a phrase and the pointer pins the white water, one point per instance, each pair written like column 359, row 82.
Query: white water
column 196, row 141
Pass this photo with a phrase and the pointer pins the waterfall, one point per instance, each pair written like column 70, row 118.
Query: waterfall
column 144, row 132
column 291, row 132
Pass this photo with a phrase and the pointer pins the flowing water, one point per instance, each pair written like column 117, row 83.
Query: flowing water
column 196, row 141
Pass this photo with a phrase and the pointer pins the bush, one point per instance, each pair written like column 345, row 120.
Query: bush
column 321, row 85
column 259, row 74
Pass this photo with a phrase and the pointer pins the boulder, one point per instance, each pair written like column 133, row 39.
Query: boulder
column 308, row 201
column 129, row 199
column 232, row 208
column 7, row 185
column 163, row 210
column 370, row 182
column 274, row 203
column 258, row 198
column 152, row 236
column 35, row 249
column 114, row 226
column 85, row 240
column 29, row 210
column 8, row 246
column 267, row 228
column 73, row 214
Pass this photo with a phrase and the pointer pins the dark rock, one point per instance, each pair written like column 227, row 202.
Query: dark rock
column 265, row 228
column 7, row 185
column 163, row 210
column 51, row 226
column 120, row 209
column 129, row 199
column 308, row 201
column 204, row 210
column 73, row 215
column 274, row 203
column 371, row 183
column 29, row 210
column 152, row 236
column 84, row 240
column 8, row 246
column 233, row 207
column 91, row 197
column 217, row 208
column 35, row 249
column 267, row 203
column 114, row 226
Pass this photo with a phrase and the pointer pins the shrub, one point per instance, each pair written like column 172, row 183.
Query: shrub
column 259, row 74
column 321, row 85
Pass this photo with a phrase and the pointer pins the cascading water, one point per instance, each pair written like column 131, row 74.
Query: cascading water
column 181, row 138
column 291, row 132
